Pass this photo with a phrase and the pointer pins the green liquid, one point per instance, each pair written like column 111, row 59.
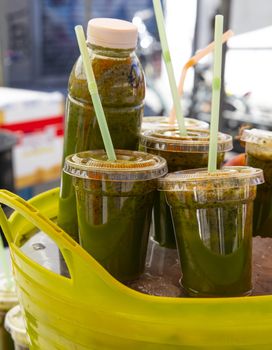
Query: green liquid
column 262, row 216
column 163, row 226
column 114, row 221
column 214, row 242
column 121, row 87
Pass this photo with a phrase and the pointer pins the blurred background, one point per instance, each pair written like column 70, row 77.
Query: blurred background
column 38, row 49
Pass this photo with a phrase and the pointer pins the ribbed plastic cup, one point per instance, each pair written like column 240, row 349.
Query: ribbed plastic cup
column 114, row 204
column 212, row 215
column 157, row 122
column 15, row 325
column 259, row 154
column 181, row 153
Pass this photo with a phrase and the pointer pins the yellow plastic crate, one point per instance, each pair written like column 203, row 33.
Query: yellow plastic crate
column 92, row 310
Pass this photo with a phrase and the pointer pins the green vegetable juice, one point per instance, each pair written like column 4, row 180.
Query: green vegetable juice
column 212, row 215
column 121, row 86
column 181, row 153
column 259, row 155
column 114, row 204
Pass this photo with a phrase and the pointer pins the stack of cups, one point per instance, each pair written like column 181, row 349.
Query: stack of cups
column 15, row 325
column 114, row 205
column 259, row 155
column 181, row 153
column 8, row 299
column 212, row 215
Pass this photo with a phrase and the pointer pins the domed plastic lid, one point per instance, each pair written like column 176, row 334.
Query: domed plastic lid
column 8, row 295
column 15, row 325
column 112, row 33
column 130, row 166
column 201, row 179
column 196, row 140
column 151, row 123
column 261, row 137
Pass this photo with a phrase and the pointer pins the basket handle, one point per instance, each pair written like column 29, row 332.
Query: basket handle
column 64, row 242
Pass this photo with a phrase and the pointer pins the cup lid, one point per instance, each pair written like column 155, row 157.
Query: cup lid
column 15, row 325
column 130, row 166
column 163, row 122
column 261, row 137
column 195, row 141
column 201, row 179
column 112, row 33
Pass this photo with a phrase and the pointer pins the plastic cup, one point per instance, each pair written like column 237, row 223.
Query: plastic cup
column 259, row 155
column 15, row 325
column 151, row 123
column 181, row 153
column 114, row 205
column 8, row 299
column 212, row 215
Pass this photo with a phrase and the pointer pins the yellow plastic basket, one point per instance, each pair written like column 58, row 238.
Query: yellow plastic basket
column 92, row 310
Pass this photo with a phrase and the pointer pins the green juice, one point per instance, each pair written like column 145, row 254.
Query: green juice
column 114, row 221
column 259, row 155
column 164, row 230
column 214, row 243
column 121, row 86
column 262, row 216
column 181, row 153
column 114, row 204
column 212, row 215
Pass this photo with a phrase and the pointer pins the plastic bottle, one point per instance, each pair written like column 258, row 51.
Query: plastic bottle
column 121, row 85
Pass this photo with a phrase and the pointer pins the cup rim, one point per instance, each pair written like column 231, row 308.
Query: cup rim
column 142, row 166
column 197, row 140
column 200, row 179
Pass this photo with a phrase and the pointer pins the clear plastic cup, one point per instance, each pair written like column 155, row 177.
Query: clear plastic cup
column 181, row 153
column 114, row 205
column 8, row 299
column 8, row 296
column 151, row 123
column 259, row 155
column 212, row 215
column 15, row 325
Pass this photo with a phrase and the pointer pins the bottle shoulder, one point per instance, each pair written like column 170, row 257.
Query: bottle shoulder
column 120, row 80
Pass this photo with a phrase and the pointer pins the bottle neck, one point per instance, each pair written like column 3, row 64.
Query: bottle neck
column 107, row 51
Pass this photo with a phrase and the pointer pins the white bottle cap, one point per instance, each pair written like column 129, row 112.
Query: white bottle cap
column 112, row 33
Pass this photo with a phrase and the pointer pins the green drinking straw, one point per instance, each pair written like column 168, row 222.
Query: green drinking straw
column 169, row 67
column 94, row 94
column 216, row 87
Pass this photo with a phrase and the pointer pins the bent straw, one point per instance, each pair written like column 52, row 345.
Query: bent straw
column 169, row 66
column 94, row 94
column 191, row 62
column 216, row 87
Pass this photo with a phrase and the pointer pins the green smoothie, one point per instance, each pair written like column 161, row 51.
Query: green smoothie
column 181, row 153
column 259, row 155
column 114, row 205
column 212, row 215
column 121, row 86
